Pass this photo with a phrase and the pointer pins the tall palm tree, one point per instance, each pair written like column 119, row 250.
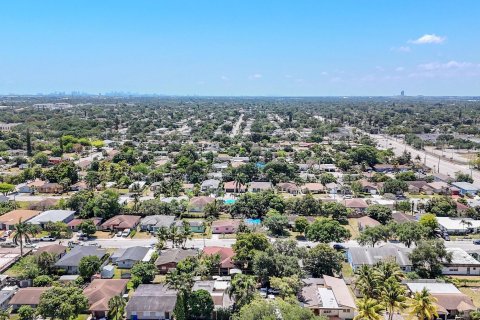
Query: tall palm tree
column 367, row 281
column 240, row 180
column 369, row 309
column 393, row 296
column 116, row 307
column 162, row 235
column 21, row 234
column 389, row 269
column 242, row 288
column 422, row 305
column 204, row 233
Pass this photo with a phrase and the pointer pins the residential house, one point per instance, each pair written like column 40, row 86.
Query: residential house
column 466, row 188
column 79, row 186
column 369, row 187
column 43, row 204
column 234, row 187
column 386, row 168
column 151, row 302
column 198, row 204
column 366, row 222
column 27, row 297
column 125, row 258
column 458, row 225
column 168, row 259
column 417, row 187
column 401, row 217
column 57, row 250
column 6, row 294
column 439, row 187
column 52, row 216
column 11, row 218
column 196, row 226
column 50, row 187
column 70, row 261
column 226, row 257
column 313, row 187
column 218, row 290
column 153, row 223
column 328, row 297
column 288, row 187
column 100, row 291
column 225, row 226
column 359, row 256
column 137, row 185
column 462, row 264
column 75, row 223
column 259, row 186
column 121, row 222
column 210, row 185
column 357, row 206
column 450, row 302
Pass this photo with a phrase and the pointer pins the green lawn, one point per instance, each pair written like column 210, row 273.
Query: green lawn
column 347, row 270
column 473, row 293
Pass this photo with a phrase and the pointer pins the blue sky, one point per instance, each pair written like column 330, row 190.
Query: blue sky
column 288, row 48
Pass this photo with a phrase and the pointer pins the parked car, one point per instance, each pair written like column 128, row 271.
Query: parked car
column 8, row 245
column 119, row 233
column 48, row 238
column 338, row 246
column 125, row 233
column 476, row 241
column 31, row 245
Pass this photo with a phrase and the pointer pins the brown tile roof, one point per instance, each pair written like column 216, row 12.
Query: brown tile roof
column 56, row 249
column 225, row 223
column 30, row 296
column 225, row 254
column 454, row 301
column 44, row 204
column 233, row 185
column 201, row 201
column 100, row 291
column 14, row 216
column 122, row 222
column 356, row 203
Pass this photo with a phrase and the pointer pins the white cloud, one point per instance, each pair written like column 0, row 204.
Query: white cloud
column 256, row 76
column 224, row 78
column 452, row 64
column 399, row 69
column 401, row 49
column 429, row 38
column 324, row 73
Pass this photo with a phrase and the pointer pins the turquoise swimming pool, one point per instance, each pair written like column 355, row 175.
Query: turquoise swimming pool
column 253, row 221
column 229, row 201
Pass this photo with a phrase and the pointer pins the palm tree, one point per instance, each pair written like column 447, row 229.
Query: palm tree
column 369, row 309
column 5, row 314
column 387, row 270
column 162, row 235
column 204, row 233
column 22, row 233
column 367, row 281
column 422, row 305
column 242, row 288
column 116, row 306
column 240, row 180
column 393, row 296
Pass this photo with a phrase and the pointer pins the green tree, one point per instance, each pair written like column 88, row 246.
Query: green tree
column 275, row 309
column 393, row 297
column 62, row 303
column 442, row 207
column 45, row 262
column 88, row 266
column 381, row 213
column 323, row 260
column 275, row 222
column 367, row 281
column 21, row 234
column 327, row 230
column 335, row 210
column 242, row 289
column 29, row 143
column 246, row 245
column 301, row 224
column 42, row 281
column 430, row 223
column 287, row 286
column 394, row 186
column 144, row 272
column 200, row 304
column 26, row 313
column 6, row 188
column 116, row 307
column 428, row 258
column 373, row 235
column 410, row 233
column 423, row 305
column 369, row 309
column 88, row 227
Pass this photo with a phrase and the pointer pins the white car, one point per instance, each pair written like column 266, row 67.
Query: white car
column 125, row 233
column 31, row 245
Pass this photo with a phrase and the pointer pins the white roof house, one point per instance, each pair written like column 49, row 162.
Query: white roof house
column 458, row 225
column 432, row 287
column 53, row 216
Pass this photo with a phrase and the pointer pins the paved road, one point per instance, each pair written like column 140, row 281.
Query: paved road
column 236, row 127
column 443, row 166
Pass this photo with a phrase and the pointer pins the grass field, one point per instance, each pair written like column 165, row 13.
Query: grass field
column 353, row 228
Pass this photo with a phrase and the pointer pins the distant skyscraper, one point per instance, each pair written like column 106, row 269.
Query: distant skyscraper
column 402, row 93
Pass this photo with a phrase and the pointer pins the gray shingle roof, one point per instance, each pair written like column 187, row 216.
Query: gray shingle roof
column 133, row 253
column 73, row 257
column 370, row 256
column 174, row 255
column 152, row 298
column 157, row 221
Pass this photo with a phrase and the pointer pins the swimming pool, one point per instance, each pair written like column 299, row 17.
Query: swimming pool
column 229, row 201
column 253, row 221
